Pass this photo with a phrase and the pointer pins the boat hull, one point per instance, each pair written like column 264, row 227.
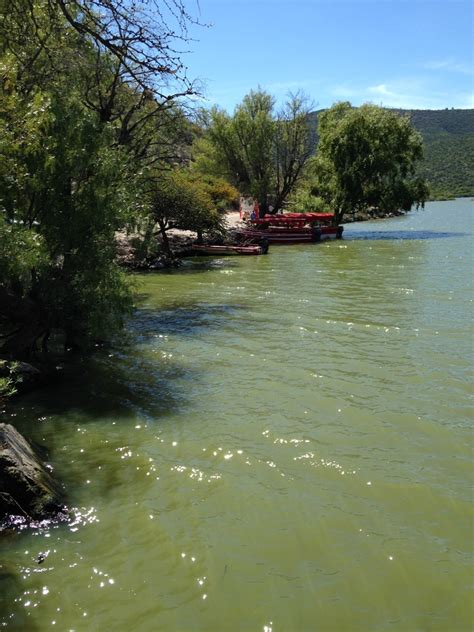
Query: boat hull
column 277, row 235
column 228, row 250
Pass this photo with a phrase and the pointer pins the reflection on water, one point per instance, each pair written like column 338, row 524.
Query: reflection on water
column 278, row 443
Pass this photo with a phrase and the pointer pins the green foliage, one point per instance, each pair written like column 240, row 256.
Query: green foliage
column 7, row 389
column 21, row 250
column 61, row 199
column 433, row 123
column 87, row 117
column 180, row 200
column 366, row 159
column 449, row 165
column 223, row 195
column 448, row 138
column 144, row 243
column 9, row 380
column 261, row 152
column 303, row 201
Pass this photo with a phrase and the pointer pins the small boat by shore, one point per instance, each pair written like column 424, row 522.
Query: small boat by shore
column 291, row 228
column 227, row 250
column 276, row 235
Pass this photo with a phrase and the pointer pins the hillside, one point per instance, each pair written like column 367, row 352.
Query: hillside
column 449, row 149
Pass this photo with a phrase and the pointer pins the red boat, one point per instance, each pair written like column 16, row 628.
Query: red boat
column 291, row 228
column 229, row 250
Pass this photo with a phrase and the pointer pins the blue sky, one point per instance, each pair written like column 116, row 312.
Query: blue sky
column 398, row 53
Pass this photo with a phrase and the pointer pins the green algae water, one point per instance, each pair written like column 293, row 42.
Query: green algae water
column 278, row 443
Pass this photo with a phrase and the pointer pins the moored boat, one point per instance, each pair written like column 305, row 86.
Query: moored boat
column 224, row 250
column 291, row 228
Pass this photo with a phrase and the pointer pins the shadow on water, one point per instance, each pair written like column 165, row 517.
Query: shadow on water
column 407, row 235
column 195, row 265
column 133, row 380
column 10, row 584
column 118, row 385
column 180, row 320
column 203, row 264
column 96, row 405
column 136, row 376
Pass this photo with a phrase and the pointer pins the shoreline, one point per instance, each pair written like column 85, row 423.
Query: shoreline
column 182, row 240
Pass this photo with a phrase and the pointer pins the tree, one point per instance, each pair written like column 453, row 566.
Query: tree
column 123, row 54
column 141, row 38
column 261, row 152
column 61, row 200
column 179, row 201
column 88, row 108
column 367, row 158
column 292, row 147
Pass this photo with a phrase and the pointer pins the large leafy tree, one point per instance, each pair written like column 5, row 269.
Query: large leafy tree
column 61, row 199
column 261, row 151
column 87, row 110
column 124, row 56
column 367, row 159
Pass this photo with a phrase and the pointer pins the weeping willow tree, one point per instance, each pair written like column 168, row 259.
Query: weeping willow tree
column 367, row 158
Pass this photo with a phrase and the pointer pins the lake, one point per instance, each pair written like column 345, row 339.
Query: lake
column 277, row 443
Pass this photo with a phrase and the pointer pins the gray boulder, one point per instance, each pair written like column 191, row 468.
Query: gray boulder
column 28, row 493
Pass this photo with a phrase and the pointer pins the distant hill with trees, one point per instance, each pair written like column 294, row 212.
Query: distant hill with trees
column 448, row 137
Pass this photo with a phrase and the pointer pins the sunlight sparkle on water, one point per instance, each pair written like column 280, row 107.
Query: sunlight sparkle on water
column 391, row 346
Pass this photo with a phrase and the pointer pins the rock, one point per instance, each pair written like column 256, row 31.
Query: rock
column 28, row 493
column 163, row 262
column 26, row 376
column 22, row 375
column 157, row 264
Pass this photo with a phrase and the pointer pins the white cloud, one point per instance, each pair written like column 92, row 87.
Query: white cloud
column 401, row 94
column 410, row 93
column 449, row 65
column 381, row 90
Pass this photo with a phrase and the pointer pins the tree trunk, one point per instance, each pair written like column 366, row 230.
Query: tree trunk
column 164, row 236
column 263, row 207
column 23, row 313
column 339, row 213
column 278, row 205
column 23, row 343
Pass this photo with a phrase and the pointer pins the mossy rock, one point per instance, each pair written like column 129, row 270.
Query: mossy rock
column 27, row 490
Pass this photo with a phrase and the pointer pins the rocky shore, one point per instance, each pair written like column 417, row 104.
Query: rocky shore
column 371, row 215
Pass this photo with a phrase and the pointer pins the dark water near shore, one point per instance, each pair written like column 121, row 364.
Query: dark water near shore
column 279, row 443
